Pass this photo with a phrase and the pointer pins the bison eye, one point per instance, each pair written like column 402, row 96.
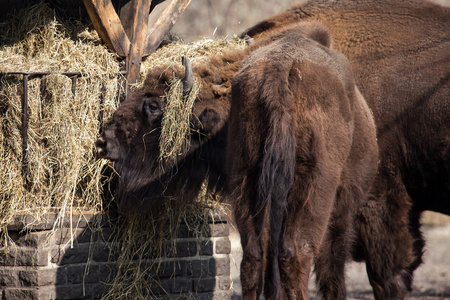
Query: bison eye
column 152, row 108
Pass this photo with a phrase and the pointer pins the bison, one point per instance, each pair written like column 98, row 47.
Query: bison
column 399, row 52
column 301, row 156
column 280, row 129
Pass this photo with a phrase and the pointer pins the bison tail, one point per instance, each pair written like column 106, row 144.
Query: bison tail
column 276, row 179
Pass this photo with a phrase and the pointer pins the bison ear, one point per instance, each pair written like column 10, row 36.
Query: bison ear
column 152, row 107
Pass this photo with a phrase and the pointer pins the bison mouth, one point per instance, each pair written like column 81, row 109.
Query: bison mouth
column 100, row 146
column 104, row 149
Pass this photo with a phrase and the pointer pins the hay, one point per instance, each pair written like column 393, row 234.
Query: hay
column 142, row 241
column 62, row 128
column 197, row 53
column 175, row 125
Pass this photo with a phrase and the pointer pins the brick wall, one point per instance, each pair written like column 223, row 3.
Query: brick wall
column 75, row 262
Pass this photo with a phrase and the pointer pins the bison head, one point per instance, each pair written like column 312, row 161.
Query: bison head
column 132, row 140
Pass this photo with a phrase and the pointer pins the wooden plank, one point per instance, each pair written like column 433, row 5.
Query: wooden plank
column 139, row 22
column 165, row 22
column 125, row 13
column 108, row 25
column 126, row 16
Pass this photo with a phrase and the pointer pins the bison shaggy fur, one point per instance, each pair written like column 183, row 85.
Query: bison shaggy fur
column 399, row 52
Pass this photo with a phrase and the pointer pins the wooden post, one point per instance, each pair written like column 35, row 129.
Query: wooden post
column 139, row 12
column 108, row 25
column 164, row 23
column 131, row 37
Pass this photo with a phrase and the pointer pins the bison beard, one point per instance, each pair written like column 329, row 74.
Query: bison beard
column 292, row 147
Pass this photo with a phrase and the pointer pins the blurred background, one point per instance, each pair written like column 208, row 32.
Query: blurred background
column 201, row 19
column 208, row 18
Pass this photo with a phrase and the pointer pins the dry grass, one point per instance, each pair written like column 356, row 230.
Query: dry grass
column 175, row 125
column 63, row 172
column 143, row 243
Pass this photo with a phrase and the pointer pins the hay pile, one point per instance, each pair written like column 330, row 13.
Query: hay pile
column 63, row 171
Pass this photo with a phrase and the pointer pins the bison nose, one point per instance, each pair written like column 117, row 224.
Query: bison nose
column 100, row 145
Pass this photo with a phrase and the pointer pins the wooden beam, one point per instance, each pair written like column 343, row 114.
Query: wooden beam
column 139, row 12
column 164, row 23
column 108, row 25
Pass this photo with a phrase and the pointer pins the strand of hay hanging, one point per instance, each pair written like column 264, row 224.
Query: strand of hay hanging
column 63, row 171
column 175, row 124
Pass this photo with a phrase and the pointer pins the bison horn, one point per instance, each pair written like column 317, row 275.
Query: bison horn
column 188, row 80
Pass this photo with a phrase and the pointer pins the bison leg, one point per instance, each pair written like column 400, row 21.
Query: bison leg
column 387, row 243
column 330, row 263
column 305, row 228
column 251, row 273
column 418, row 245
column 251, row 270
column 295, row 267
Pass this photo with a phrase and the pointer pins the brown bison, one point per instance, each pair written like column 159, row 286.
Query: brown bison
column 400, row 54
column 293, row 147
column 301, row 154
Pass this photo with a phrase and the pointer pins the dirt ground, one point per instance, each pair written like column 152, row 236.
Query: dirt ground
column 432, row 278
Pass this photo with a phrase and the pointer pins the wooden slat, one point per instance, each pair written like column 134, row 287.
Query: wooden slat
column 127, row 18
column 139, row 13
column 108, row 25
column 165, row 22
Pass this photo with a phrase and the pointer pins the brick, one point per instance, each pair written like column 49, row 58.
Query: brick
column 31, row 239
column 223, row 246
column 204, row 285
column 206, row 248
column 204, row 296
column 107, row 272
column 183, row 231
column 43, row 277
column 96, row 290
column 178, row 249
column 45, row 293
column 72, row 291
column 181, row 285
column 79, row 274
column 107, row 234
column 8, row 278
column 169, row 269
column 24, row 257
column 199, row 268
column 224, row 283
column 220, row 266
column 78, row 220
column 20, row 222
column 29, row 278
column 63, row 236
column 222, row 295
column 52, row 276
column 160, row 287
column 22, row 294
column 102, row 253
column 218, row 230
column 186, row 249
column 77, row 254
